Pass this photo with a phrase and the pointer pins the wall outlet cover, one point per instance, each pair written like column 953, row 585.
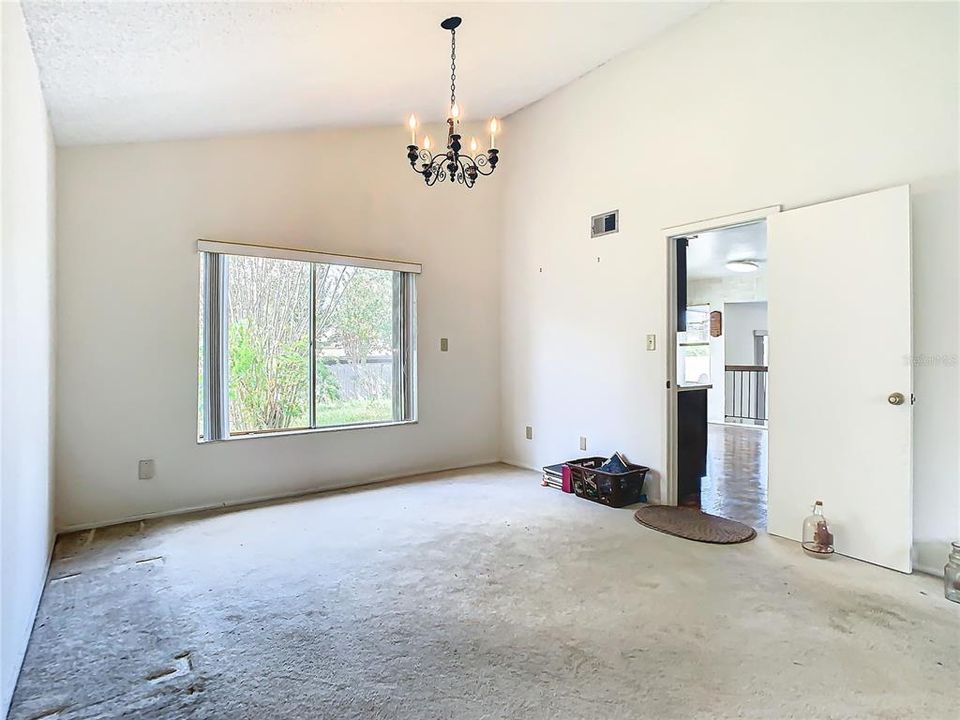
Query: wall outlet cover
column 444, row 344
column 529, row 432
column 583, row 443
column 146, row 470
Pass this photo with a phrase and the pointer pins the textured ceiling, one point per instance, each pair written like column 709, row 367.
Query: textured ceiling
column 709, row 252
column 129, row 71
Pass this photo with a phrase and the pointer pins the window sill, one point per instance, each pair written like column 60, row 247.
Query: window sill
column 309, row 431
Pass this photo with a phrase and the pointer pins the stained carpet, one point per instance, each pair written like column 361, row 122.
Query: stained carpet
column 473, row 595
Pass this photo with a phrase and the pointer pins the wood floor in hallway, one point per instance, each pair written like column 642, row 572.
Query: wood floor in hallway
column 735, row 486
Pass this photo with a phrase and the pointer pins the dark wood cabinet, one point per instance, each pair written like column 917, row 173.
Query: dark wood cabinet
column 691, row 443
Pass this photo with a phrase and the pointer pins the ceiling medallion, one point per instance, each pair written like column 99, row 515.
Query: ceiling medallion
column 452, row 164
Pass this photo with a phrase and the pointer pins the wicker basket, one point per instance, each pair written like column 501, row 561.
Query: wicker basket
column 612, row 489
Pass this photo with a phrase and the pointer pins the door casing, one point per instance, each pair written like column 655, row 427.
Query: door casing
column 668, row 480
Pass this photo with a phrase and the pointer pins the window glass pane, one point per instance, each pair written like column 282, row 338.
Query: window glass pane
column 200, row 361
column 357, row 345
column 698, row 323
column 695, row 362
column 269, row 344
column 693, row 357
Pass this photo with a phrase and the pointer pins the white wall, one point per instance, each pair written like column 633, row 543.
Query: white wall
column 746, row 105
column 716, row 292
column 129, row 218
column 26, row 357
column 740, row 319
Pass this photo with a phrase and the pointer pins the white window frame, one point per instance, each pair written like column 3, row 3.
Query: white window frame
column 216, row 367
column 681, row 352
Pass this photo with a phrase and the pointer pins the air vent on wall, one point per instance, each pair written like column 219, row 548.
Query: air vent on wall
column 605, row 223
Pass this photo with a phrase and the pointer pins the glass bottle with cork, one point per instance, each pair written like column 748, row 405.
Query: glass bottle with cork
column 817, row 538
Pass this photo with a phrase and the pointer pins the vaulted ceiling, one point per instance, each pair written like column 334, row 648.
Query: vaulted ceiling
column 131, row 71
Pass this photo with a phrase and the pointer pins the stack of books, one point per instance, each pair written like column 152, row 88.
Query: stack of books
column 553, row 476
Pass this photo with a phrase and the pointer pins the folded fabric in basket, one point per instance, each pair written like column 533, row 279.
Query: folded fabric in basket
column 616, row 464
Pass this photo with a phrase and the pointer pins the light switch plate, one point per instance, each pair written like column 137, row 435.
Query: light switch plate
column 651, row 342
column 146, row 470
column 529, row 432
column 583, row 443
column 444, row 345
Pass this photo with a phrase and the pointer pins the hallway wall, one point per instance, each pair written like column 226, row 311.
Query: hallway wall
column 740, row 320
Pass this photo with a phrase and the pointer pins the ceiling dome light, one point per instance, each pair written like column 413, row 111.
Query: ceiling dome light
column 742, row 266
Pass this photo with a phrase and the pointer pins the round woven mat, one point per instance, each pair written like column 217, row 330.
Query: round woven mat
column 693, row 524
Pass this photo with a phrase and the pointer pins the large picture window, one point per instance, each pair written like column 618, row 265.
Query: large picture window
column 295, row 341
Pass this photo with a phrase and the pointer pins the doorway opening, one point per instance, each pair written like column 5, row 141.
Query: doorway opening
column 721, row 347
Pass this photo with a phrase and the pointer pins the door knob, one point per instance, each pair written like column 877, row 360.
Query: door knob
column 896, row 398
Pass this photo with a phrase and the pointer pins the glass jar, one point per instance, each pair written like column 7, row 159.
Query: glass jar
column 817, row 538
column 951, row 574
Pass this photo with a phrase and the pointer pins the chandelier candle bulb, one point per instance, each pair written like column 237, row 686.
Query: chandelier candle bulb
column 412, row 124
column 473, row 146
column 494, row 127
column 426, row 142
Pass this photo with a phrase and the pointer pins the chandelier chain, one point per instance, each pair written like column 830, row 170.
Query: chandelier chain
column 453, row 67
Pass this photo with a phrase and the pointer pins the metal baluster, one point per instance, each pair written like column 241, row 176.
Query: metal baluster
column 740, row 410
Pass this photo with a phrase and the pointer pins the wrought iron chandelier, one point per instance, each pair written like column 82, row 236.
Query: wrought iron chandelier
column 452, row 164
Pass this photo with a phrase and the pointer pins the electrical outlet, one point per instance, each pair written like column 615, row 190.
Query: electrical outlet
column 444, row 345
column 651, row 342
column 583, row 443
column 146, row 470
column 529, row 432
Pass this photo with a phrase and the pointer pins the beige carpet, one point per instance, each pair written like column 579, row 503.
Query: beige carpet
column 474, row 595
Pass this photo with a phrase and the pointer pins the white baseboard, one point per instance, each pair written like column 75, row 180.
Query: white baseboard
column 252, row 500
column 520, row 465
column 927, row 570
column 929, row 556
